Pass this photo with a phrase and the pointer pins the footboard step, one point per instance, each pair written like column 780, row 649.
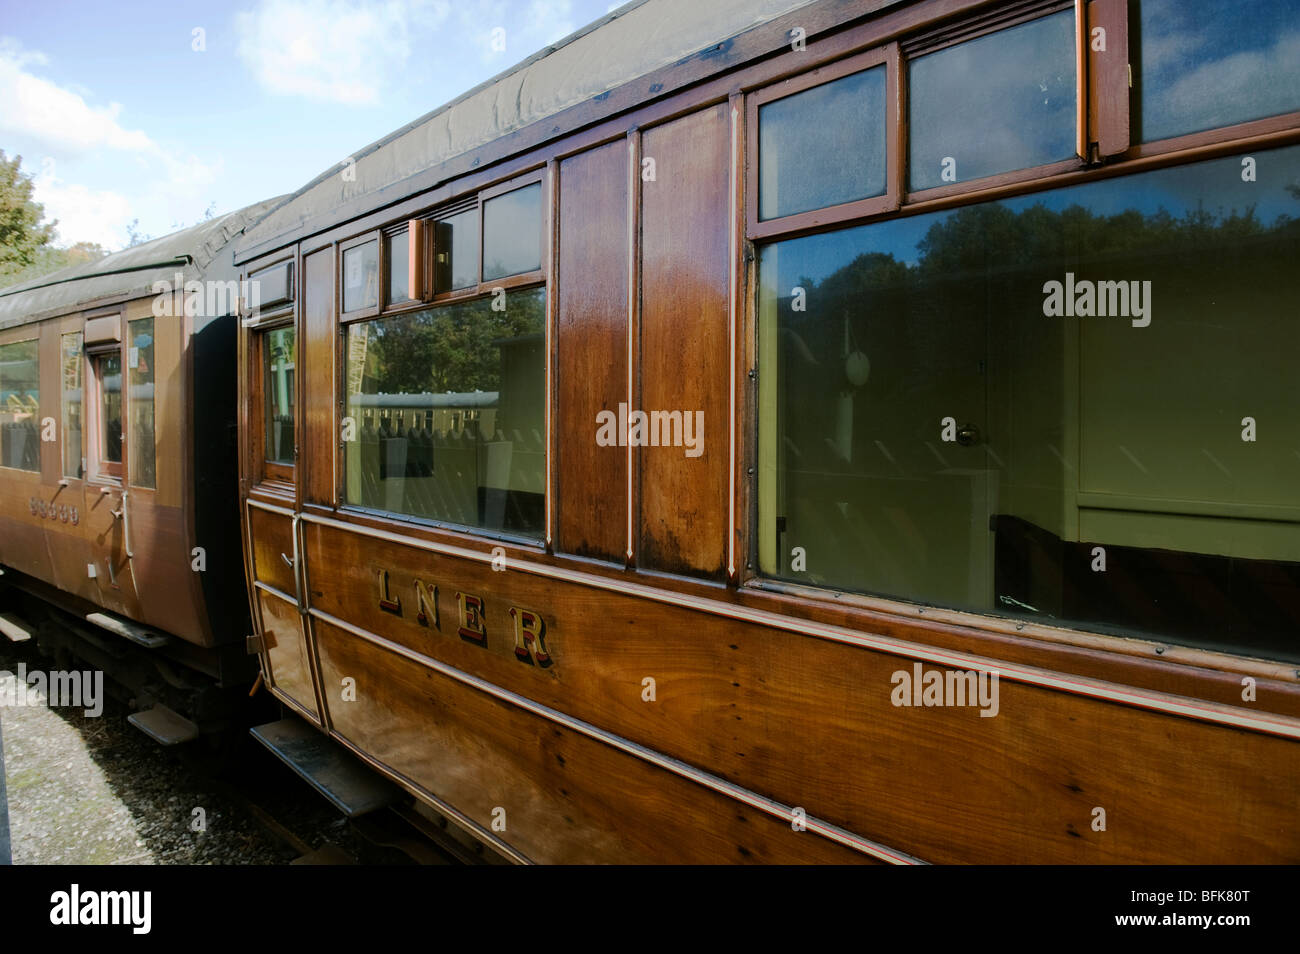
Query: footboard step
column 348, row 784
column 164, row 726
column 14, row 629
column 128, row 630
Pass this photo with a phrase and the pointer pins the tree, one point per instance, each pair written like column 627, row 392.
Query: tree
column 22, row 236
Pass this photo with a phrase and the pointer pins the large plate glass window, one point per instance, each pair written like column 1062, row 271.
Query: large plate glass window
column 448, row 405
column 994, row 104
column 1201, row 64
column 1077, row 406
column 20, row 400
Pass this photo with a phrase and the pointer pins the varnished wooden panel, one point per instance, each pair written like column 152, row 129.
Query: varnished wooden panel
column 591, row 365
column 272, row 539
column 563, row 797
column 317, row 392
column 811, row 723
column 282, row 635
column 684, row 339
column 1108, row 84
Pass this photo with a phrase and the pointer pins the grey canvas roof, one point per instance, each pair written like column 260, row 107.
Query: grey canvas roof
column 629, row 43
column 202, row 250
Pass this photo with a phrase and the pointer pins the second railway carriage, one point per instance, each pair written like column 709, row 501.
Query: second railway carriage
column 118, row 480
column 805, row 431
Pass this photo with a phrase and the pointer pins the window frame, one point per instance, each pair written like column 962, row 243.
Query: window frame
column 538, row 541
column 129, row 403
column 978, row 27
column 4, row 342
column 340, row 251
column 99, row 470
column 889, row 57
column 265, row 470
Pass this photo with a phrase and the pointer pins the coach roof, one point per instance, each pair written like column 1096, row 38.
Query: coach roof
column 635, row 42
column 195, row 252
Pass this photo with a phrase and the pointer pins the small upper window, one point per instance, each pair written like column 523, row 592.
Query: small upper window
column 399, row 268
column 455, row 242
column 994, row 104
column 512, row 233
column 361, row 277
column 1201, row 64
column 823, row 146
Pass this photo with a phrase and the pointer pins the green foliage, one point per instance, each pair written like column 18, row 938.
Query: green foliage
column 22, row 235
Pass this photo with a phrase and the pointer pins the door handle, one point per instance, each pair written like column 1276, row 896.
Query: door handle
column 968, row 435
column 288, row 561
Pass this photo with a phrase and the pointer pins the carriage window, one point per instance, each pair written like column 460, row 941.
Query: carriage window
column 994, row 104
column 456, row 251
column 74, row 464
column 1200, row 64
column 20, row 397
column 1077, row 406
column 447, row 404
column 140, row 403
column 361, row 277
column 399, row 268
column 823, row 146
column 512, row 233
column 278, row 394
column 107, row 368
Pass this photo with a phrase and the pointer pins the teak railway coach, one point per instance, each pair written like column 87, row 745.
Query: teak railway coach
column 817, row 432
column 778, row 431
column 117, row 480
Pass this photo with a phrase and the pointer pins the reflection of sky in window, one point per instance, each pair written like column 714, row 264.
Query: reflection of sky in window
column 1216, row 187
column 823, row 146
column 1199, row 64
column 997, row 103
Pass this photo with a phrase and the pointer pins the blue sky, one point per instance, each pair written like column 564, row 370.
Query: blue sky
column 118, row 115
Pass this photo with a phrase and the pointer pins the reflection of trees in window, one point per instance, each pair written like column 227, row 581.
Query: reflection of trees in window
column 948, row 308
column 448, row 404
column 19, row 406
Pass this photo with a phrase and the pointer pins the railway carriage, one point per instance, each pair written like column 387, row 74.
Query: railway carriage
column 805, row 431
column 118, row 503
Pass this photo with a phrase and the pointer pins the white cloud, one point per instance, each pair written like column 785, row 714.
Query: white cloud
column 66, row 127
column 56, row 117
column 84, row 215
column 341, row 51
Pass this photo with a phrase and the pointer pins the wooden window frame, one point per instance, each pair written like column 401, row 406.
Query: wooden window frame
column 396, row 519
column 129, row 404
column 340, row 252
column 64, row 331
column 485, row 196
column 265, row 470
column 888, row 56
column 990, row 24
column 99, row 470
column 424, row 264
column 4, row 342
